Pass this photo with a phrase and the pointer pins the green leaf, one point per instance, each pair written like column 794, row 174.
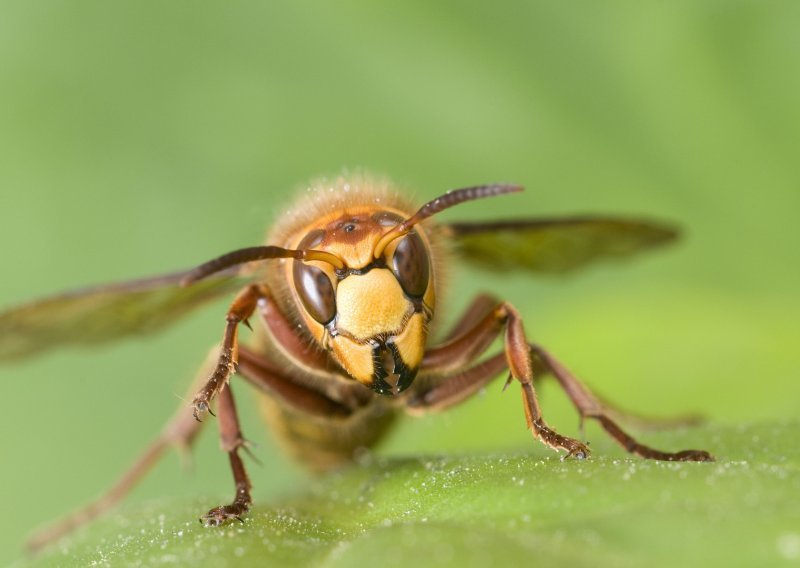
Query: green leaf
column 610, row 510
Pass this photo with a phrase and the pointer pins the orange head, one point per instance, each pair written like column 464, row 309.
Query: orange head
column 372, row 312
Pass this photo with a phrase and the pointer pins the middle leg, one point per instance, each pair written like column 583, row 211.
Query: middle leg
column 589, row 406
column 232, row 441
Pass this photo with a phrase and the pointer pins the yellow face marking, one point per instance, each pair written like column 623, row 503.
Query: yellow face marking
column 411, row 342
column 356, row 358
column 371, row 304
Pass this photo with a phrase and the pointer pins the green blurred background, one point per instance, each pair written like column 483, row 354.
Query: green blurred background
column 141, row 137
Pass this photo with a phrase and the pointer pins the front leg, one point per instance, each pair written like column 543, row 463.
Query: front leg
column 241, row 308
column 457, row 385
column 519, row 363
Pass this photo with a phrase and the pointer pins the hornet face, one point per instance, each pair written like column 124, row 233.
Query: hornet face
column 372, row 314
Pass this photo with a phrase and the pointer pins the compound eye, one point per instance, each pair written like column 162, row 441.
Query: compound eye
column 313, row 285
column 411, row 266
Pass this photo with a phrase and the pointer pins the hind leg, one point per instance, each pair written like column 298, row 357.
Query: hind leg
column 179, row 432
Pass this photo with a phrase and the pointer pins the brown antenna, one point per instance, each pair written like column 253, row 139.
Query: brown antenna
column 251, row 254
column 449, row 199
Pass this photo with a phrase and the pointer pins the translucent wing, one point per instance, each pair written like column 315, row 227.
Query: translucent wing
column 105, row 313
column 555, row 245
